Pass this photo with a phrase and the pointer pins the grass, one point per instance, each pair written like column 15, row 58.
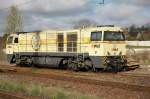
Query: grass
column 11, row 86
column 60, row 95
column 40, row 90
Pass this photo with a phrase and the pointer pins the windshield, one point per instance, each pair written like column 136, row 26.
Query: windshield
column 113, row 36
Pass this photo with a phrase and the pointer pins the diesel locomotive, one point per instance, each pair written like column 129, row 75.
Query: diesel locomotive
column 99, row 48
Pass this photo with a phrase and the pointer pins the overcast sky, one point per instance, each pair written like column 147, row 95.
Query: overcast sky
column 47, row 14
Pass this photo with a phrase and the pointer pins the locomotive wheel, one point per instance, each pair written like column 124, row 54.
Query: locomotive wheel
column 116, row 69
column 18, row 62
column 63, row 64
column 110, row 69
column 88, row 65
column 29, row 62
column 73, row 66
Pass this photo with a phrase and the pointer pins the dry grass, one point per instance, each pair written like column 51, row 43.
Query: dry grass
column 142, row 57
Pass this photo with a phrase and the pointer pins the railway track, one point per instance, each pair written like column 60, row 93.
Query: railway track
column 81, row 79
column 10, row 95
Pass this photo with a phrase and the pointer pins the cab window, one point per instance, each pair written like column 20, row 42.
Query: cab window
column 113, row 36
column 16, row 40
column 10, row 40
column 96, row 36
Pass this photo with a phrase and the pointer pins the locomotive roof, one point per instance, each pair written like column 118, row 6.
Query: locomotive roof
column 103, row 28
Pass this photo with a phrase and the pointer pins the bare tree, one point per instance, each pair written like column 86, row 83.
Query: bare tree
column 13, row 21
column 84, row 23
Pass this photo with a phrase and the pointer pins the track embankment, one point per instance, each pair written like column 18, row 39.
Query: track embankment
column 81, row 77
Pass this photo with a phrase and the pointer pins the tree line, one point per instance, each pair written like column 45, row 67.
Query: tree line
column 141, row 33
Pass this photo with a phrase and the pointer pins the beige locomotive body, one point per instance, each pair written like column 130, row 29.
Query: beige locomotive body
column 89, row 48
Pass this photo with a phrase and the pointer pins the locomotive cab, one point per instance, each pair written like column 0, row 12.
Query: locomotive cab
column 114, row 50
column 114, row 43
column 11, row 46
column 109, row 48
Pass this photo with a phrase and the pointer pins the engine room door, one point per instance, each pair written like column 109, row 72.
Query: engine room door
column 60, row 44
column 71, row 42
